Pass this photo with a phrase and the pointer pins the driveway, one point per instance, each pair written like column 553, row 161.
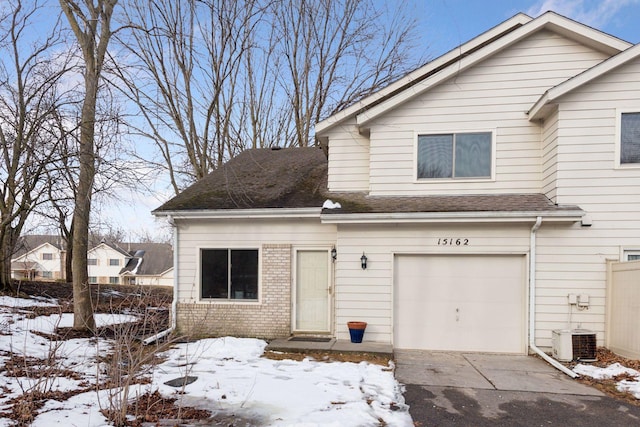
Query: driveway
column 460, row 389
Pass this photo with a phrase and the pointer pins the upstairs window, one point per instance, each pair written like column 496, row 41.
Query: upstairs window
column 92, row 261
column 47, row 256
column 114, row 262
column 230, row 274
column 455, row 155
column 629, row 138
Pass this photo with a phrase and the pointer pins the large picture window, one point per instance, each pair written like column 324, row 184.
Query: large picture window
column 630, row 138
column 454, row 155
column 229, row 274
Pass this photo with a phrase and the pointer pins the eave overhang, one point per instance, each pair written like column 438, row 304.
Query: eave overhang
column 453, row 217
column 241, row 213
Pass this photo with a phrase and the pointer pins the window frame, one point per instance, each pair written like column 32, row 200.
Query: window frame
column 114, row 282
column 92, row 261
column 92, row 280
column 117, row 260
column 47, row 256
column 230, row 300
column 432, row 132
column 618, row 139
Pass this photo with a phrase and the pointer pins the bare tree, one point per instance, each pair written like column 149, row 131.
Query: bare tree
column 213, row 77
column 91, row 24
column 185, row 80
column 30, row 74
column 337, row 52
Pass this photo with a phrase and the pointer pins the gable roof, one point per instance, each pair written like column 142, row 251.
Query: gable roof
column 550, row 98
column 257, row 179
column 109, row 245
column 480, row 48
column 28, row 243
column 425, row 71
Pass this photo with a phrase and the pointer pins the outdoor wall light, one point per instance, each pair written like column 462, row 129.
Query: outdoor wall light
column 363, row 261
column 334, row 254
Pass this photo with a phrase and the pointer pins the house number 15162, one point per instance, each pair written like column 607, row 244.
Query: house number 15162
column 453, row 242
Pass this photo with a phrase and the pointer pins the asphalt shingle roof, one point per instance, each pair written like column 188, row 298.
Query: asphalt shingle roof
column 297, row 178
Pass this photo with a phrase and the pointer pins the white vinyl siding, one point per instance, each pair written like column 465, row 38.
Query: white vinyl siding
column 550, row 156
column 494, row 94
column 240, row 233
column 367, row 295
column 348, row 159
column 574, row 260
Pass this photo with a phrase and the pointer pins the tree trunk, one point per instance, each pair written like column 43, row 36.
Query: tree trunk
column 93, row 33
column 7, row 244
column 82, row 309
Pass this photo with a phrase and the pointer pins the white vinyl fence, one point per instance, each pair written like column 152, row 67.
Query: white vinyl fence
column 623, row 308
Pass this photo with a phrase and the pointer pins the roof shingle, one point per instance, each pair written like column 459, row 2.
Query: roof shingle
column 297, row 178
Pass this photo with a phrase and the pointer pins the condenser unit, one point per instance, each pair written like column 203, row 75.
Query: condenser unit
column 573, row 344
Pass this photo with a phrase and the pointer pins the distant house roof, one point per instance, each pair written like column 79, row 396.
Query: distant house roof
column 297, row 178
column 148, row 259
column 28, row 243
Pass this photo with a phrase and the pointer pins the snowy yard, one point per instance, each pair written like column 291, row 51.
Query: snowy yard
column 233, row 380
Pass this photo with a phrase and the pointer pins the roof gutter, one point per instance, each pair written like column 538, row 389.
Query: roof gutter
column 532, row 304
column 174, row 303
column 491, row 216
column 241, row 213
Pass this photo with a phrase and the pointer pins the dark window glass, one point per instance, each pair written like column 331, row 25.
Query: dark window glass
column 215, row 273
column 630, row 138
column 229, row 273
column 244, row 274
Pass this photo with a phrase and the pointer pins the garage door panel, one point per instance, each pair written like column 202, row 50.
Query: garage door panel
column 461, row 303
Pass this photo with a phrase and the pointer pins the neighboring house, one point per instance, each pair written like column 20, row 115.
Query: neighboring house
column 104, row 263
column 480, row 199
column 139, row 264
column 38, row 257
column 149, row 264
column 42, row 258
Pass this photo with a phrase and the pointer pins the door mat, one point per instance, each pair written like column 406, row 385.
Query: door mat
column 310, row 339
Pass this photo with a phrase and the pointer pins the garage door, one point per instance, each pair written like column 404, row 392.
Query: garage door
column 460, row 303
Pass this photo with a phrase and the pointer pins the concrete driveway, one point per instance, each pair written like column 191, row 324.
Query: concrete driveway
column 464, row 389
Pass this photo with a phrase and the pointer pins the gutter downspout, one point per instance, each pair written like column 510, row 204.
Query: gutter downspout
column 532, row 304
column 174, row 303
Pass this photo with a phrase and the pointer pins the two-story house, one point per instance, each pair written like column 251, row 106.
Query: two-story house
column 42, row 258
column 472, row 205
column 38, row 257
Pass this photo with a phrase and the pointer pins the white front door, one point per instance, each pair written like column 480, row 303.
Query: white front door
column 312, row 291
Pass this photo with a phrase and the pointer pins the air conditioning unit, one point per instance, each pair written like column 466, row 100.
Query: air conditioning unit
column 573, row 344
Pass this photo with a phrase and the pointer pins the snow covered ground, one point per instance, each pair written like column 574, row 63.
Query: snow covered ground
column 626, row 385
column 232, row 378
